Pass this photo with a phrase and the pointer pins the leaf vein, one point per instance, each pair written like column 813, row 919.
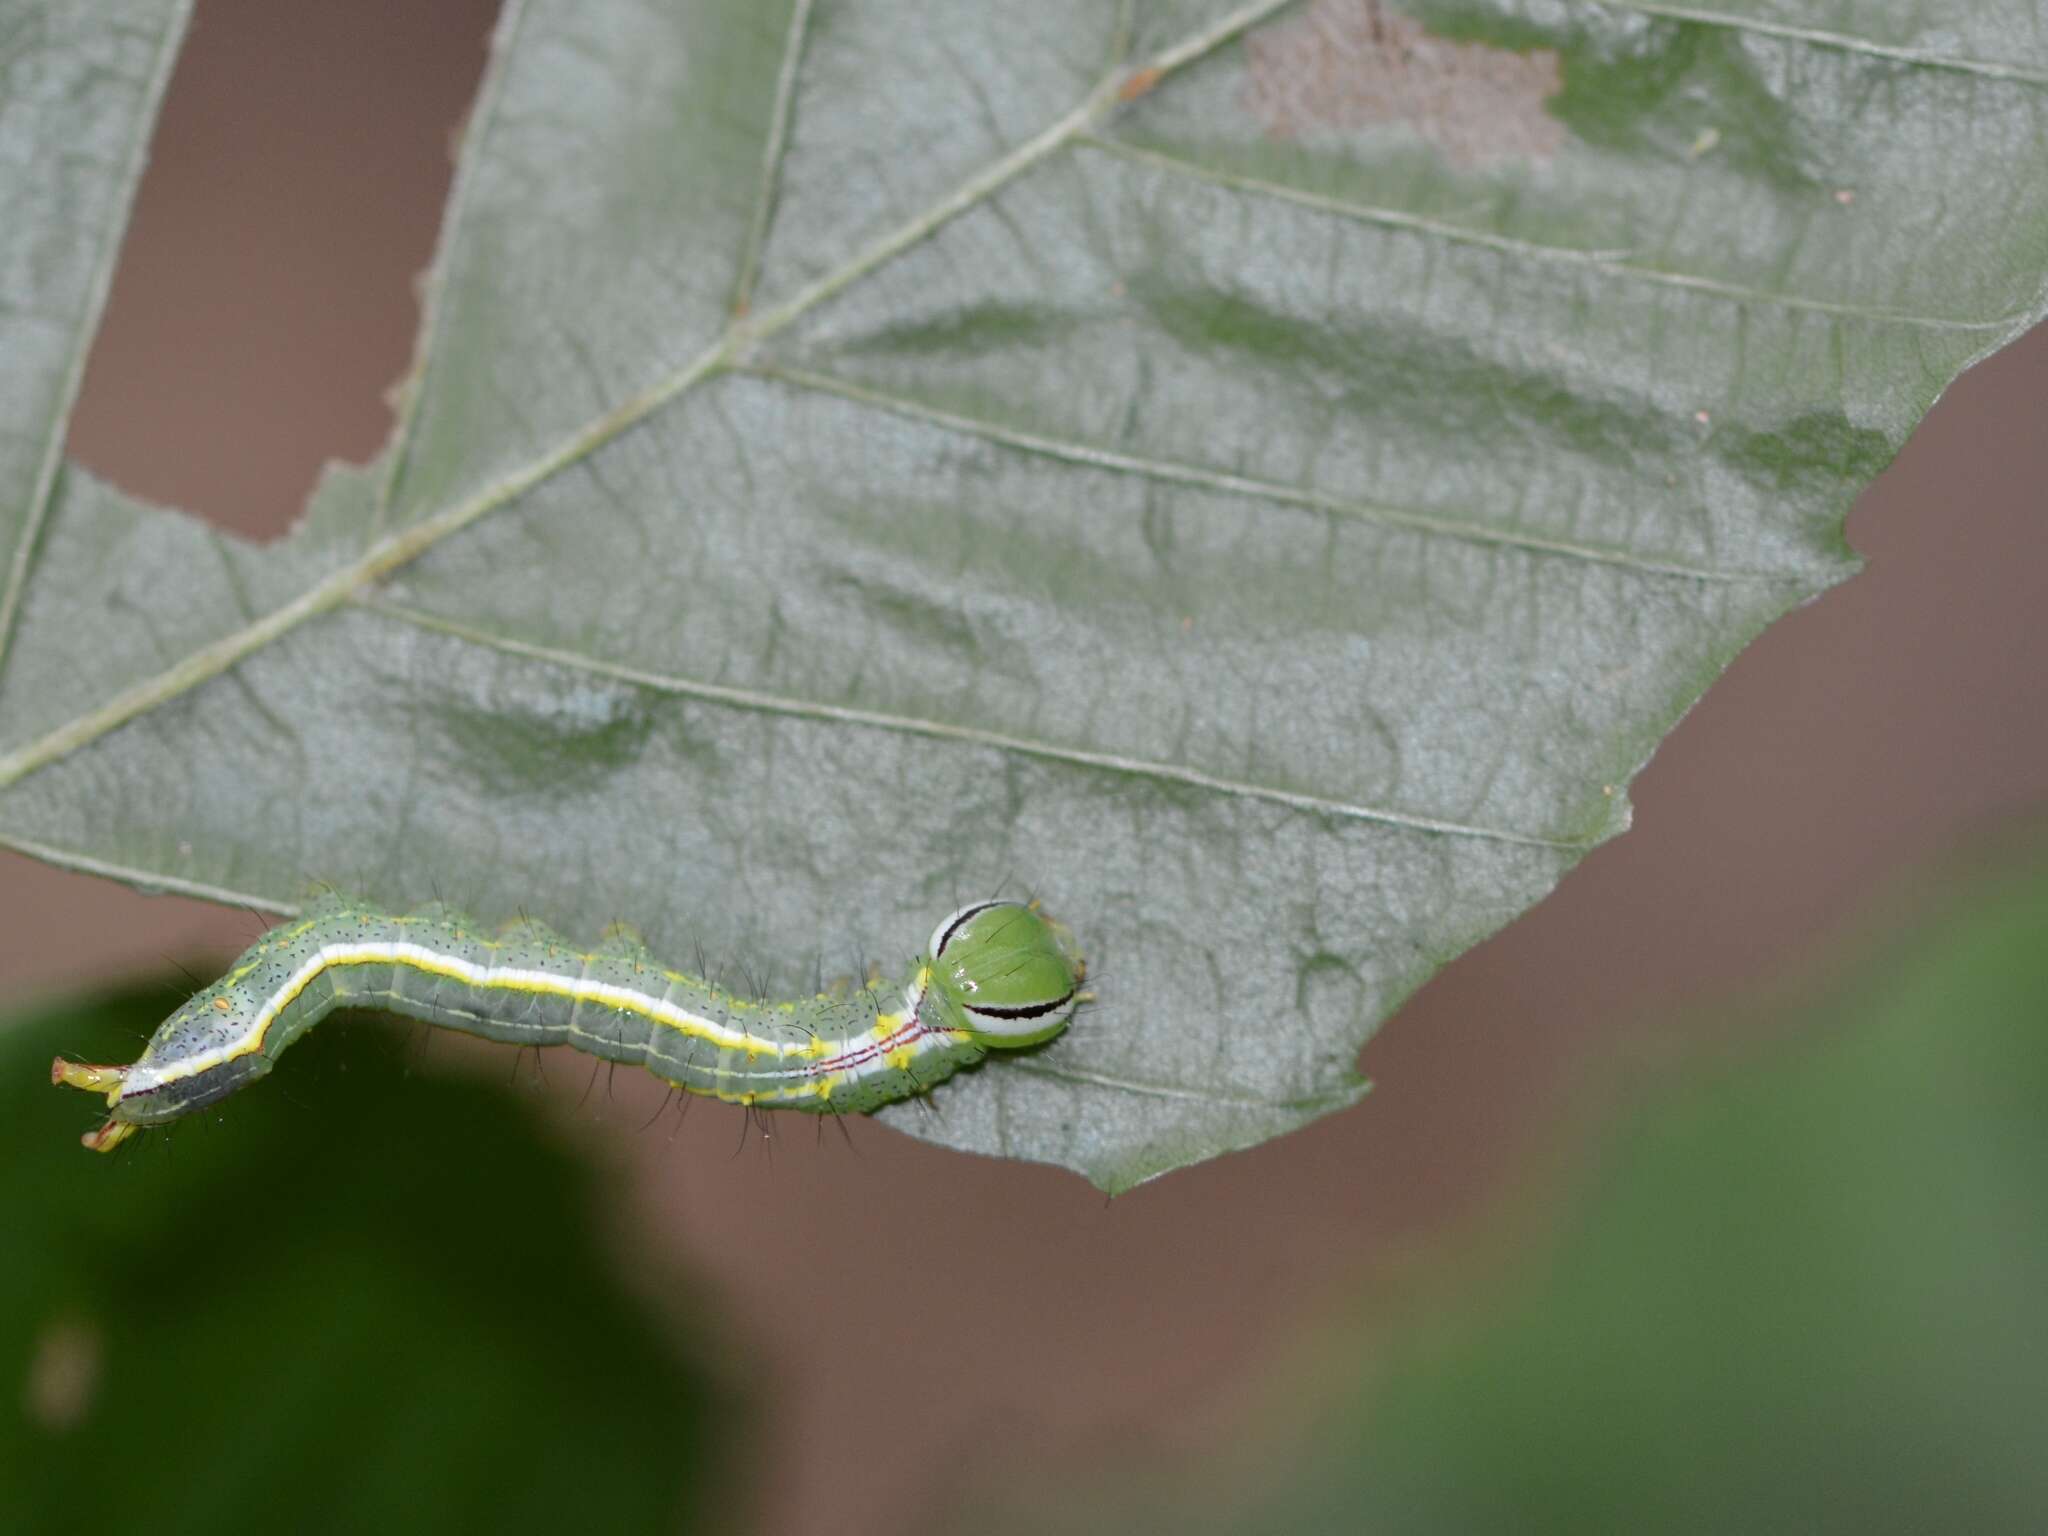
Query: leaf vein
column 1820, row 37
column 1230, row 483
column 1607, row 263
column 771, row 157
column 810, row 709
column 1313, row 1104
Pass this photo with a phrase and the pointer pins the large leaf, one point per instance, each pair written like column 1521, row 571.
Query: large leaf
column 1263, row 478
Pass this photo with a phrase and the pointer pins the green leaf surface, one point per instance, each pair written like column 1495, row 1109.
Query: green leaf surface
column 1261, row 477
column 379, row 1301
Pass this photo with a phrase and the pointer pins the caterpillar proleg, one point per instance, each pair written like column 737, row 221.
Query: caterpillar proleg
column 994, row 975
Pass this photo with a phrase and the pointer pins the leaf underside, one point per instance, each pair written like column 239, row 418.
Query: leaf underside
column 1262, row 478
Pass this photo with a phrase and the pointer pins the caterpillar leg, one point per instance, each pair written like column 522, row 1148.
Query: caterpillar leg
column 79, row 1074
column 96, row 1079
column 110, row 1135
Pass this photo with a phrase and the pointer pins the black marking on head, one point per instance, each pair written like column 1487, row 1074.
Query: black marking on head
column 943, row 934
column 1024, row 1010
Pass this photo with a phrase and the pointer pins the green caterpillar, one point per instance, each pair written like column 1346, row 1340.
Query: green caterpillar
column 995, row 975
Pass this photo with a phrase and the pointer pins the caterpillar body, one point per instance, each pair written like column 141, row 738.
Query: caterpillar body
column 994, row 975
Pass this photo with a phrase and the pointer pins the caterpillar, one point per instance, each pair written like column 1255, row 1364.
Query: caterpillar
column 995, row 975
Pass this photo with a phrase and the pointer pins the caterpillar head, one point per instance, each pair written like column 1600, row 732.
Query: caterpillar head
column 1006, row 973
column 197, row 1055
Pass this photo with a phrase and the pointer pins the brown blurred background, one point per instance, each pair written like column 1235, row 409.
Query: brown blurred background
column 265, row 303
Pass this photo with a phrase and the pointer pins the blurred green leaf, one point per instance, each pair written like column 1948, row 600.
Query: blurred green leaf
column 1263, row 477
column 369, row 1302
column 1810, row 1294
